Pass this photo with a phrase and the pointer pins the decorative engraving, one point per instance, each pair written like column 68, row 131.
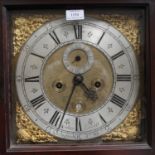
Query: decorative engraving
column 110, row 110
column 109, row 46
column 121, row 66
column 46, row 110
column 34, row 67
column 121, row 90
column 45, row 46
column 34, row 90
column 66, row 34
column 90, row 121
column 67, row 122
column 90, row 34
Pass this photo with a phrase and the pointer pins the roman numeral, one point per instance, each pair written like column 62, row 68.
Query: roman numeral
column 32, row 79
column 118, row 100
column 101, row 117
column 38, row 101
column 117, row 55
column 123, row 77
column 78, row 31
column 54, row 36
column 78, row 124
column 55, row 118
column 100, row 38
column 37, row 55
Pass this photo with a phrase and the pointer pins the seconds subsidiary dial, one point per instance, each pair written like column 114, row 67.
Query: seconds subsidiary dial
column 77, row 80
column 78, row 58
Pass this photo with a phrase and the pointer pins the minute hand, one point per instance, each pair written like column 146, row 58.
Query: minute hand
column 67, row 104
column 76, row 81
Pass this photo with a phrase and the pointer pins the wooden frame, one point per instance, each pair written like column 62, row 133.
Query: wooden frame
column 6, row 145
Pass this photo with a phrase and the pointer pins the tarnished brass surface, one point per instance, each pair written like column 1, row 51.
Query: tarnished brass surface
column 80, row 103
column 25, row 25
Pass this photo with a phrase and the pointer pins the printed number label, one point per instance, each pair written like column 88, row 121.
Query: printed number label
column 74, row 14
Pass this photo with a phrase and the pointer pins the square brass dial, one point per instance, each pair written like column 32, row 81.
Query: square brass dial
column 23, row 26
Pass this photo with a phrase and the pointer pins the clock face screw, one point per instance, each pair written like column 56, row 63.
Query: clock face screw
column 58, row 86
column 97, row 84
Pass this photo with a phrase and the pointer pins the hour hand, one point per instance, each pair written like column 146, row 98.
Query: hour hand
column 89, row 92
column 78, row 80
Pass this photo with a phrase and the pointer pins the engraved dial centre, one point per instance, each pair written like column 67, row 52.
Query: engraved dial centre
column 93, row 86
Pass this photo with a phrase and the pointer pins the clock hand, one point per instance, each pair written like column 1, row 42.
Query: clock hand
column 76, row 81
column 89, row 92
column 76, row 59
column 67, row 104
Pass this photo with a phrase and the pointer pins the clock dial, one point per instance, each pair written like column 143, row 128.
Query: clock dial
column 77, row 80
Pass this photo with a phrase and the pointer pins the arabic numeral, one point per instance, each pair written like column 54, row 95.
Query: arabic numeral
column 75, row 14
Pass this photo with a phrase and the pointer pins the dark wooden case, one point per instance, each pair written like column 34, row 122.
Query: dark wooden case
column 7, row 145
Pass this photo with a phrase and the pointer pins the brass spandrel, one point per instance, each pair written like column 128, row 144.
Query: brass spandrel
column 28, row 131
